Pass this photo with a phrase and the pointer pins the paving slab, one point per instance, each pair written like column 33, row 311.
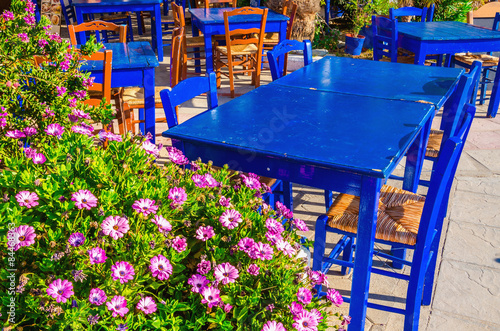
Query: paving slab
column 488, row 158
column 439, row 320
column 475, row 208
column 489, row 185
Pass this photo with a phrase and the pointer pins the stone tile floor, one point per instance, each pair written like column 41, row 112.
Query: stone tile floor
column 467, row 286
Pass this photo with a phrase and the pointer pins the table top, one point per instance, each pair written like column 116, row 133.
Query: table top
column 216, row 16
column 359, row 134
column 429, row 31
column 376, row 79
column 113, row 2
column 137, row 54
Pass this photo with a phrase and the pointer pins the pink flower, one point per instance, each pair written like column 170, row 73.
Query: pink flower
column 176, row 156
column 210, row 181
column 304, row 295
column 160, row 267
column 317, row 277
column 204, row 267
column 97, row 255
column 76, row 239
column 179, row 244
column 198, row 282
column 224, row 202
column 30, row 152
column 7, row 15
column 122, row 271
column 117, row 305
column 27, row 199
column 84, row 199
column 334, row 296
column 29, row 131
column 39, row 158
column 274, row 226
column 23, row 235
column 16, row 134
column 230, row 219
column 150, row 148
column 273, row 326
column 177, row 195
column 226, row 273
column 24, row 37
column 210, row 296
column 80, row 114
column 163, row 225
column 60, row 90
column 262, row 251
column 205, row 232
column 30, row 20
column 81, row 129
column 227, row 307
column 246, row 244
column 147, row 305
column 295, row 308
column 61, row 290
column 285, row 247
column 103, row 135
column 54, row 130
column 145, row 206
column 198, row 180
column 305, row 321
column 97, row 296
column 282, row 210
column 115, row 226
column 251, row 181
column 42, row 43
column 301, row 225
column 253, row 269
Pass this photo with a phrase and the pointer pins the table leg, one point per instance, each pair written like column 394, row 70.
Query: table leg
column 415, row 158
column 327, row 11
column 420, row 56
column 495, row 97
column 79, row 20
column 370, row 191
column 157, row 32
column 208, row 52
column 149, row 101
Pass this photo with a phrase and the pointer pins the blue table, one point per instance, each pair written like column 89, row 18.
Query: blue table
column 110, row 6
column 134, row 64
column 425, row 38
column 211, row 22
column 328, row 140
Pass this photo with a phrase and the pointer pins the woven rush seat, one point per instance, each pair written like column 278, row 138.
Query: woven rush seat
column 398, row 218
column 434, row 143
column 247, row 49
column 134, row 96
column 487, row 60
column 197, row 41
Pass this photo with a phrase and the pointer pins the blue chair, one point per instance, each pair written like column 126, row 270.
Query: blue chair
column 425, row 14
column 385, row 39
column 489, row 62
column 278, row 56
column 192, row 87
column 407, row 220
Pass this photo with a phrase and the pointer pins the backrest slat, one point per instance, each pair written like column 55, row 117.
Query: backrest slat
column 277, row 55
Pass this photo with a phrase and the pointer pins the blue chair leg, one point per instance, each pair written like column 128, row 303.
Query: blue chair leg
column 347, row 256
column 139, row 22
column 328, row 199
column 130, row 31
column 484, row 86
column 142, row 125
column 288, row 195
column 319, row 245
column 399, row 253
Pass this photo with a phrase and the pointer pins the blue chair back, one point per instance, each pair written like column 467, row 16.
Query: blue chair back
column 186, row 90
column 425, row 14
column 277, row 56
column 385, row 38
column 68, row 12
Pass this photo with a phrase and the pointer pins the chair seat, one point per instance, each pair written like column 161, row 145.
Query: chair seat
column 134, row 96
column 398, row 218
column 198, row 41
column 468, row 58
column 121, row 16
column 248, row 49
column 434, row 143
column 271, row 38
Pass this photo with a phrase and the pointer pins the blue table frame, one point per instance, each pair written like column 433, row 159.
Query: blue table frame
column 271, row 131
column 425, row 38
column 83, row 7
column 134, row 64
column 211, row 22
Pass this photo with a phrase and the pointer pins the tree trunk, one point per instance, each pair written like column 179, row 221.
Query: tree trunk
column 303, row 27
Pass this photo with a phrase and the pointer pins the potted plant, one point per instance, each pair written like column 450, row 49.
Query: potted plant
column 361, row 12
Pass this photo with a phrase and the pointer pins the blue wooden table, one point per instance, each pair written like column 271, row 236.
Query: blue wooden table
column 110, row 6
column 211, row 22
column 134, row 64
column 425, row 38
column 329, row 140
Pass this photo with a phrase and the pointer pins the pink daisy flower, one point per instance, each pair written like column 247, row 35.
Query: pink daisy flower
column 80, row 114
column 84, row 199
column 301, row 225
column 210, row 296
column 246, row 244
column 118, row 305
column 122, row 271
column 251, row 181
column 61, row 290
column 334, row 296
column 145, row 206
column 176, row 156
column 273, row 326
column 97, row 255
column 210, row 181
column 204, row 267
column 179, row 244
column 30, row 152
column 147, row 305
column 224, row 202
column 230, row 219
column 103, row 135
column 285, row 247
column 150, row 148
column 205, row 232
column 296, row 308
column 97, row 296
column 27, row 199
column 23, row 235
column 55, row 130
column 160, row 267
column 163, row 225
column 30, row 131
column 226, row 273
column 76, row 239
column 115, row 226
column 317, row 277
column 39, row 158
column 274, row 226
column 304, row 295
column 273, row 237
column 262, row 251
column 177, row 195
column 253, row 269
column 198, row 180
column 16, row 134
column 82, row 130
column 198, row 282
column 305, row 321
column 282, row 210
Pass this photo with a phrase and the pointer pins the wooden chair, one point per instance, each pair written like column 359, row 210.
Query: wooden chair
column 277, row 56
column 243, row 47
column 490, row 63
column 133, row 97
column 404, row 219
column 219, row 3
column 121, row 30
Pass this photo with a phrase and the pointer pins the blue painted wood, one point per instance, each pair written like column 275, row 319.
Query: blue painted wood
column 211, row 22
column 420, row 13
column 109, row 6
column 277, row 55
column 385, row 34
column 376, row 79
